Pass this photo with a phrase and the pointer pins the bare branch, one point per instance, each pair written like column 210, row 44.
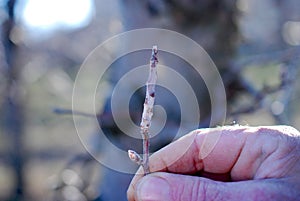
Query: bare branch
column 147, row 114
column 62, row 111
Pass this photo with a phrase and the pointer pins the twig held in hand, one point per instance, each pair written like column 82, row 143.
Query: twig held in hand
column 147, row 114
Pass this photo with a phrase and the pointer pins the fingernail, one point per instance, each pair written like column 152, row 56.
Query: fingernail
column 153, row 188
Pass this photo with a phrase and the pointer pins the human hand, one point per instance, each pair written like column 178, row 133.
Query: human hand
column 227, row 163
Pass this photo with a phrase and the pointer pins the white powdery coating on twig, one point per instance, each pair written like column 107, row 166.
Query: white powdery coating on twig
column 148, row 108
column 147, row 114
column 150, row 91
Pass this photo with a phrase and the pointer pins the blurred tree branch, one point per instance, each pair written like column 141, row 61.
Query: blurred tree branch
column 290, row 61
column 12, row 107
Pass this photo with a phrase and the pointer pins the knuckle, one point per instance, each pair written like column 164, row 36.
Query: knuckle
column 203, row 190
column 197, row 190
column 290, row 131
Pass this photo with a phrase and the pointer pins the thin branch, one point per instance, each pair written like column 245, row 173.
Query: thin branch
column 147, row 114
column 280, row 56
column 62, row 111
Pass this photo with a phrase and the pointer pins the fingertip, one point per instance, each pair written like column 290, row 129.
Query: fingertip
column 130, row 194
column 153, row 187
column 132, row 186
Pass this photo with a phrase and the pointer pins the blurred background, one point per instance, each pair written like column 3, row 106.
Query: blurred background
column 255, row 45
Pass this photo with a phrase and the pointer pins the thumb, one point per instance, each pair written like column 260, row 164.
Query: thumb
column 174, row 187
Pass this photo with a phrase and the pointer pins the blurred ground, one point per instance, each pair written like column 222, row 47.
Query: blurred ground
column 48, row 61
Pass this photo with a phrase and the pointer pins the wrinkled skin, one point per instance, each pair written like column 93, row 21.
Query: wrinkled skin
column 234, row 163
